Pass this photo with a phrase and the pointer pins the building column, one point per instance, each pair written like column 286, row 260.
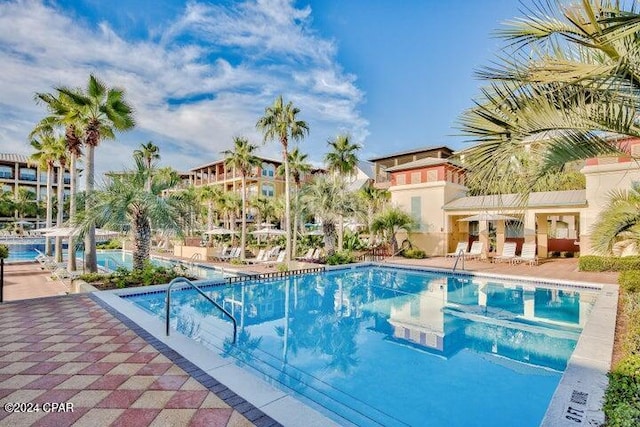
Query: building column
column 500, row 236
column 543, row 238
column 529, row 227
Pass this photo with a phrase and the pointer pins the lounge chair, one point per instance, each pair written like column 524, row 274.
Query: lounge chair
column 528, row 254
column 259, row 258
column 462, row 246
column 307, row 256
column 233, row 254
column 508, row 253
column 476, row 251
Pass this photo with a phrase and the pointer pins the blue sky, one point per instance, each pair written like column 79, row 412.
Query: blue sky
column 394, row 74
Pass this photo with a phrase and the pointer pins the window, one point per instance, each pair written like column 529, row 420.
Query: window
column 416, row 210
column 6, row 172
column 67, row 178
column 416, row 177
column 268, row 190
column 401, row 179
column 268, row 170
column 27, row 174
column 432, row 175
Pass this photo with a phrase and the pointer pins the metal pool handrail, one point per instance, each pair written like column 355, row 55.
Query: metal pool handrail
column 189, row 282
column 107, row 258
column 458, row 256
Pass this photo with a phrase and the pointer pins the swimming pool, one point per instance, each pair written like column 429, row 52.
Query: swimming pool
column 391, row 346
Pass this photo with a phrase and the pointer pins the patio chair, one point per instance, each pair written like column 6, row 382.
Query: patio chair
column 508, row 253
column 462, row 246
column 307, row 256
column 476, row 251
column 233, row 253
column 259, row 258
column 528, row 254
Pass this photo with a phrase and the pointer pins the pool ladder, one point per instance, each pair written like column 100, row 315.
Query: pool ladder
column 190, row 283
column 459, row 256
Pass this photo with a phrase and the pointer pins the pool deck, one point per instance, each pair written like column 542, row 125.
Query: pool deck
column 78, row 349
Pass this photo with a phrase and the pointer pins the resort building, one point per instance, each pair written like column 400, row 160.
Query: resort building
column 432, row 189
column 17, row 172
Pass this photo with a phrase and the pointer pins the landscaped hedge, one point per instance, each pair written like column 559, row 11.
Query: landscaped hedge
column 414, row 253
column 602, row 263
column 622, row 398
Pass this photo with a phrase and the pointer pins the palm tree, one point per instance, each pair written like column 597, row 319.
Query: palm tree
column 618, row 224
column 100, row 111
column 280, row 123
column 569, row 76
column 25, row 203
column 264, row 207
column 298, row 167
column 125, row 199
column 47, row 146
column 343, row 161
column 62, row 159
column 230, row 205
column 7, row 207
column 242, row 160
column 374, row 199
column 389, row 222
column 148, row 153
column 211, row 195
column 327, row 199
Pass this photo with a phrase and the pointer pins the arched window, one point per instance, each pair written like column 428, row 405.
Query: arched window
column 268, row 190
column 268, row 170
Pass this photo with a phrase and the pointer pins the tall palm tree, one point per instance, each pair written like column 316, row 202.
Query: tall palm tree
column 148, row 153
column 375, row 200
column 210, row 195
column 242, row 160
column 125, row 199
column 74, row 147
column 101, row 111
column 342, row 159
column 570, row 75
column 390, row 222
column 618, row 224
column 230, row 205
column 47, row 145
column 264, row 207
column 298, row 167
column 327, row 199
column 62, row 157
column 280, row 123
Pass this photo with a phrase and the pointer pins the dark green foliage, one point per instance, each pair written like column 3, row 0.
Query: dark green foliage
column 630, row 280
column 340, row 257
column 622, row 398
column 124, row 278
column 111, row 244
column 568, row 254
column 4, row 251
column 599, row 263
column 414, row 253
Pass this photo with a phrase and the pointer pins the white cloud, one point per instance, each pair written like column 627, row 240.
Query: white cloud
column 206, row 79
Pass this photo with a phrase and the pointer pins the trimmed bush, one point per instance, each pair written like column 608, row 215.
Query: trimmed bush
column 4, row 251
column 600, row 263
column 414, row 253
column 111, row 244
column 630, row 280
column 340, row 257
column 622, row 398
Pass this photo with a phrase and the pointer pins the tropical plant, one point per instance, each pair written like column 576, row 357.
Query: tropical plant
column 230, row 206
column 565, row 88
column 327, row 198
column 125, row 199
column 211, row 195
column 375, row 199
column 390, row 222
column 298, row 167
column 242, row 160
column 26, row 203
column 280, row 123
column 148, row 153
column 96, row 112
column 7, row 208
column 47, row 146
column 264, row 207
column 618, row 224
column 342, row 157
column 62, row 160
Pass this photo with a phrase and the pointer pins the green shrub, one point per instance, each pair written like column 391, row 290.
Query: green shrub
column 4, row 251
column 555, row 254
column 124, row 278
column 111, row 244
column 622, row 397
column 282, row 267
column 630, row 280
column 568, row 254
column 340, row 257
column 600, row 263
column 414, row 253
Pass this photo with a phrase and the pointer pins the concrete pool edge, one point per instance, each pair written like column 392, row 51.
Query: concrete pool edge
column 280, row 406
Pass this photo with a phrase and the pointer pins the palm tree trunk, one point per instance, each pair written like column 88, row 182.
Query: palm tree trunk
column 340, row 233
column 243, row 233
column 71, row 264
column 59, row 217
column 49, row 214
column 209, row 215
column 294, row 246
column 287, row 203
column 90, row 259
column 141, row 241
column 329, row 230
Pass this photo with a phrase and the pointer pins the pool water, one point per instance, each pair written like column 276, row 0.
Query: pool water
column 386, row 346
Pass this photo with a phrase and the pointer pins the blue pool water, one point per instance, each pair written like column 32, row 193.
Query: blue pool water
column 386, row 346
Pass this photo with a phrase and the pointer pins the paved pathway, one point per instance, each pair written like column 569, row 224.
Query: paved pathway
column 70, row 349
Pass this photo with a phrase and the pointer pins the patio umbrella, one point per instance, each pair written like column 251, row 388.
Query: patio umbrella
column 219, row 231
column 488, row 217
column 269, row 232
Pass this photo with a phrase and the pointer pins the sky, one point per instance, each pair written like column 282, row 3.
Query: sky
column 393, row 74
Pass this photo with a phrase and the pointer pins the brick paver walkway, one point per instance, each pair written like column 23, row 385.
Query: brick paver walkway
column 69, row 349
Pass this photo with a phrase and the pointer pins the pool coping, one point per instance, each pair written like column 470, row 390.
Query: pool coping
column 578, row 397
